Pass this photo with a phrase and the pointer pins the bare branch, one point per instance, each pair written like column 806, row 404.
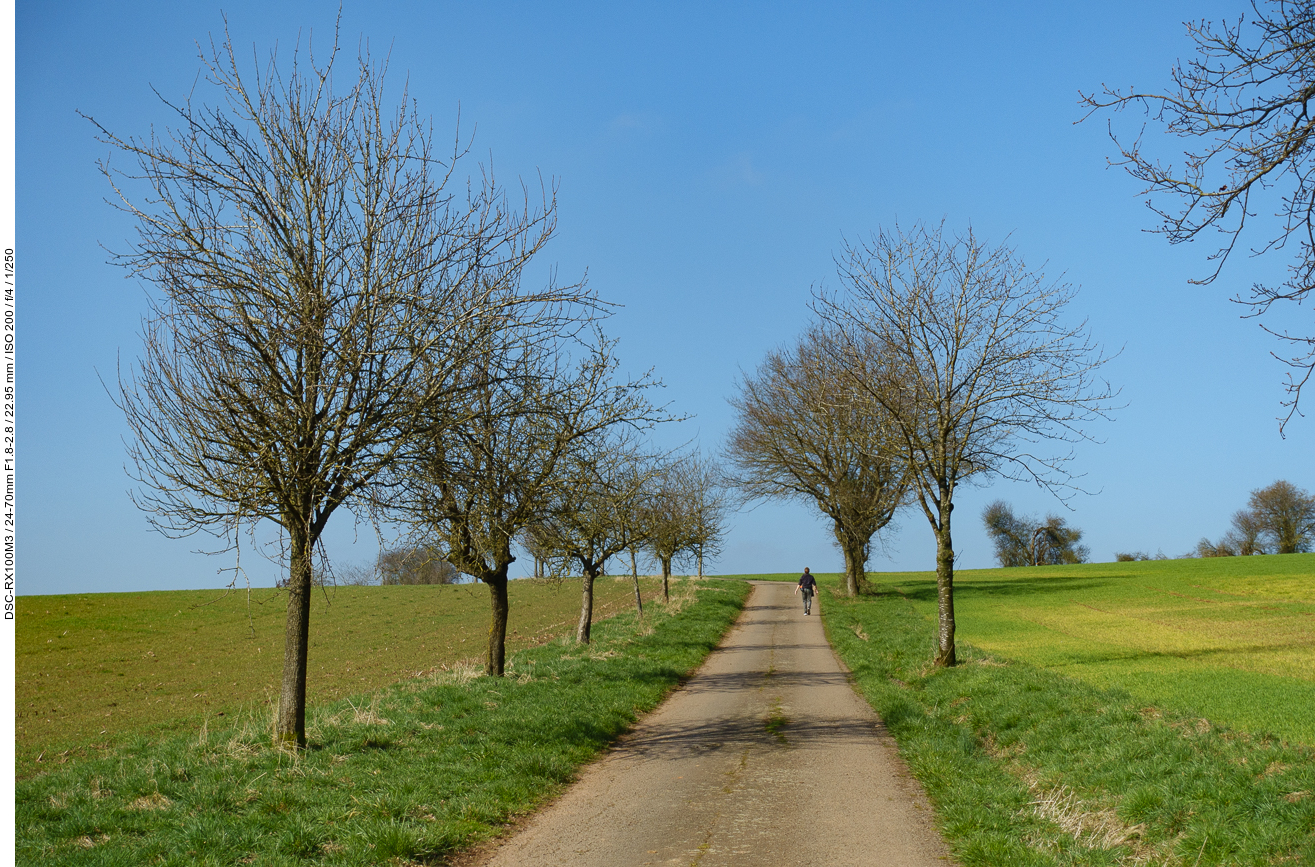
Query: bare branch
column 1244, row 105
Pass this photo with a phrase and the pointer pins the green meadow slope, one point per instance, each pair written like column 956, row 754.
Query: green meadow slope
column 1228, row 639
column 94, row 668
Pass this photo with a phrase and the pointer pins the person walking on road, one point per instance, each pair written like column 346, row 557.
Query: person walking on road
column 809, row 585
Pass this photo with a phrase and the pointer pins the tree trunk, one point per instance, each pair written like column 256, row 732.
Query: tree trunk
column 945, row 586
column 497, row 655
column 586, row 604
column 291, row 727
column 666, row 577
column 856, row 559
column 700, row 561
column 634, row 575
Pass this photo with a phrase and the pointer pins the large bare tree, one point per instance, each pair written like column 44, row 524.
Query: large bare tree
column 978, row 370
column 804, row 431
column 1243, row 106
column 316, row 294
column 475, row 487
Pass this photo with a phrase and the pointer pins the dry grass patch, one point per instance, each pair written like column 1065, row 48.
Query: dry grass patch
column 1090, row 826
column 154, row 801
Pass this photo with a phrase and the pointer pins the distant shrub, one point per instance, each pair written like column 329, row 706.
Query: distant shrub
column 414, row 566
column 1126, row 557
column 1222, row 548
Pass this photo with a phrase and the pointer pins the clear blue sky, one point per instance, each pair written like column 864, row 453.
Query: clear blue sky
column 711, row 157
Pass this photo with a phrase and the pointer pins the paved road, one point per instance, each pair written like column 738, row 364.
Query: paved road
column 766, row 757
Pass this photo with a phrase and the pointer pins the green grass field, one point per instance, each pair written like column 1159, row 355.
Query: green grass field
column 1228, row 639
column 404, row 774
column 1075, row 744
column 94, row 668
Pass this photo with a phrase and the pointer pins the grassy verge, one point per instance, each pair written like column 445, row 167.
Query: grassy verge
column 92, row 669
column 406, row 775
column 1027, row 766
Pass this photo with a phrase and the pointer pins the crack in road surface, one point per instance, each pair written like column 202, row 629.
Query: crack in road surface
column 730, row 772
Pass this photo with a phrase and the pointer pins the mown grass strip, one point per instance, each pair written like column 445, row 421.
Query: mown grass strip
column 1028, row 767
column 407, row 775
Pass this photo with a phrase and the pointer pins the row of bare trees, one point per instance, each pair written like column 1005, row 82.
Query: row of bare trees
column 939, row 362
column 339, row 321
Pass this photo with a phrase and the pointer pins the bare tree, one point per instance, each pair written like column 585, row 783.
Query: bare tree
column 978, row 369
column 590, row 522
column 709, row 504
column 1286, row 516
column 1023, row 541
column 528, row 543
column 1246, row 535
column 805, row 432
column 664, row 516
column 1243, row 103
column 475, row 487
column 315, row 297
column 357, row 575
column 634, row 577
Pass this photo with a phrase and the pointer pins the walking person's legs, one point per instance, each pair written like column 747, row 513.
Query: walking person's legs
column 808, row 600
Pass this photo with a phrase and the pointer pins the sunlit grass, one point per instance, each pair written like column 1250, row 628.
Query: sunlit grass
column 1026, row 765
column 401, row 775
column 91, row 668
column 1229, row 639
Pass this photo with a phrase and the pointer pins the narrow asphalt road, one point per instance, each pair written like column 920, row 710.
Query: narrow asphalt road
column 765, row 757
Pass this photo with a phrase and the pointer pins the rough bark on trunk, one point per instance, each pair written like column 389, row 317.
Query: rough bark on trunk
column 700, row 562
column 945, row 656
column 856, row 559
column 497, row 654
column 291, row 727
column 586, row 605
column 666, row 578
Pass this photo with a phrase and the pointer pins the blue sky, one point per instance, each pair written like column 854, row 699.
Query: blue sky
column 711, row 159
